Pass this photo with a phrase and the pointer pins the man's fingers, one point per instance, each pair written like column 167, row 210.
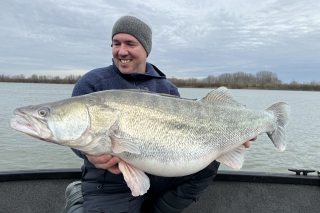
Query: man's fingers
column 247, row 144
column 253, row 139
column 112, row 162
column 105, row 161
column 115, row 170
column 99, row 159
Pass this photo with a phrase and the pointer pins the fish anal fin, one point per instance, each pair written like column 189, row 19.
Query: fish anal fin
column 222, row 95
column 233, row 159
column 137, row 180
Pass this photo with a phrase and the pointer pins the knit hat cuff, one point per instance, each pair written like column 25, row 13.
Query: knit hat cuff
column 134, row 26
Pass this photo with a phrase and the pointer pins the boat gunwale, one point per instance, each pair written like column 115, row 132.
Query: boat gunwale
column 223, row 175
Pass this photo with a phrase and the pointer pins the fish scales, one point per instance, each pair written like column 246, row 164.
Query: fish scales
column 158, row 134
column 166, row 126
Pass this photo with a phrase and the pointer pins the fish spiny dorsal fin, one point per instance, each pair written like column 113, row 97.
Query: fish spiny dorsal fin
column 154, row 93
column 221, row 96
column 149, row 92
column 137, row 90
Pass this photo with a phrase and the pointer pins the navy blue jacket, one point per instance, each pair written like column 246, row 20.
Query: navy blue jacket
column 110, row 77
column 166, row 194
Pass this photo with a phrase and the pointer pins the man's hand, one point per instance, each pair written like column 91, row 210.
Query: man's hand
column 247, row 144
column 105, row 161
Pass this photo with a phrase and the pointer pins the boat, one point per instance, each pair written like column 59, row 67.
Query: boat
column 39, row 191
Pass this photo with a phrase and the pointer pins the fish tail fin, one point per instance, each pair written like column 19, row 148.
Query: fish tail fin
column 281, row 111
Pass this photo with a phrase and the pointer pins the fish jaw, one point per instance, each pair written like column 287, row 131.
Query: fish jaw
column 32, row 126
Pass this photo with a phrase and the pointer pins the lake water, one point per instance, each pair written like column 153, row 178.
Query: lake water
column 21, row 152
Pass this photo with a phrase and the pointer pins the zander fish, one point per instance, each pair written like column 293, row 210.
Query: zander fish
column 155, row 133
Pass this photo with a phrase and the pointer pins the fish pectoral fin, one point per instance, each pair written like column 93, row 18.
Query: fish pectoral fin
column 137, row 180
column 119, row 145
column 233, row 159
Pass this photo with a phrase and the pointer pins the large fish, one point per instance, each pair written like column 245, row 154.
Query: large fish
column 158, row 134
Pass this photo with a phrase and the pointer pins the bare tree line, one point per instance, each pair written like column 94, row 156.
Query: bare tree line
column 241, row 80
column 71, row 79
column 238, row 80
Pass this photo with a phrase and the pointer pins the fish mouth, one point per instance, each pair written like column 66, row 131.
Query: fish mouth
column 30, row 125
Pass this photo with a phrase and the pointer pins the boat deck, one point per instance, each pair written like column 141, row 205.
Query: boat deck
column 43, row 191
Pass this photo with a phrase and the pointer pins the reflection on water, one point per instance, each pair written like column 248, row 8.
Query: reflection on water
column 19, row 151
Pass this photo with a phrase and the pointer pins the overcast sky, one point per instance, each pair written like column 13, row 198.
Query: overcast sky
column 194, row 38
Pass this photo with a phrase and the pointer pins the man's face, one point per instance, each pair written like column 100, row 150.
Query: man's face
column 128, row 54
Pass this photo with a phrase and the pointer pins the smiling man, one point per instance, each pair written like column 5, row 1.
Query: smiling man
column 103, row 186
column 131, row 44
column 128, row 54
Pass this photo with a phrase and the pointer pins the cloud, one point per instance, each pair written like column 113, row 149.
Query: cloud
column 190, row 38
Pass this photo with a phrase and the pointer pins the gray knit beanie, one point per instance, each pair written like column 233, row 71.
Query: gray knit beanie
column 134, row 26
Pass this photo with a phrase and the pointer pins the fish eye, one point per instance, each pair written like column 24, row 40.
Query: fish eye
column 44, row 111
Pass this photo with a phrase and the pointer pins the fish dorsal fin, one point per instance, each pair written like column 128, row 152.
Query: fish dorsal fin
column 136, row 179
column 233, row 159
column 137, row 90
column 149, row 92
column 221, row 96
column 161, row 94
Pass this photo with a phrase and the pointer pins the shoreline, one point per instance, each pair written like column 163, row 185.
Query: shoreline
column 288, row 87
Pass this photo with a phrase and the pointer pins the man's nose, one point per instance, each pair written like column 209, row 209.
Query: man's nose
column 123, row 50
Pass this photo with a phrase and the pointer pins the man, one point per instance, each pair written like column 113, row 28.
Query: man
column 103, row 185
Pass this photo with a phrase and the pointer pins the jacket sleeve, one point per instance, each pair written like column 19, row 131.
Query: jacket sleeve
column 77, row 152
column 174, row 90
column 180, row 197
column 83, row 86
